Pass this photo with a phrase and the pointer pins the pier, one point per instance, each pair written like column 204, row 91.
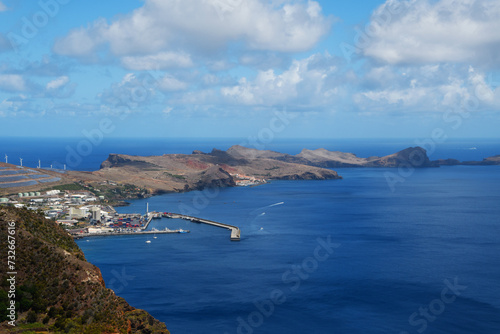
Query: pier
column 235, row 231
column 149, row 217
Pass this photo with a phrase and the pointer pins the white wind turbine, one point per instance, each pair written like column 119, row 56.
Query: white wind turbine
column 21, row 159
column 6, row 159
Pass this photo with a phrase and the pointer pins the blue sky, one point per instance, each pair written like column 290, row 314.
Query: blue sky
column 236, row 68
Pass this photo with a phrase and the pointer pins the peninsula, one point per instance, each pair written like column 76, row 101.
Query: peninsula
column 122, row 176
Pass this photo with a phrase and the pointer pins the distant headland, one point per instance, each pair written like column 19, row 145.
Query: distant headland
column 125, row 176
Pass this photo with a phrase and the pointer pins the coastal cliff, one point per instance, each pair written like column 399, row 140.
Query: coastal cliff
column 199, row 170
column 57, row 290
column 123, row 177
column 414, row 156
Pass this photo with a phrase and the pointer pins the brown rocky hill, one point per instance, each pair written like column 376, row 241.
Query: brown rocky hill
column 414, row 156
column 184, row 172
column 57, row 290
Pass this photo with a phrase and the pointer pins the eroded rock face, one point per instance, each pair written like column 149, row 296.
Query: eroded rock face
column 215, row 177
column 119, row 160
column 412, row 156
column 182, row 172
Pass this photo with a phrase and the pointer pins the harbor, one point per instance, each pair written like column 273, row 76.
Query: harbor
column 82, row 214
column 136, row 224
column 235, row 231
column 110, row 234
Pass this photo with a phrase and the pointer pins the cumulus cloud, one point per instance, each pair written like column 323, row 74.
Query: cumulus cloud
column 21, row 105
column 133, row 92
column 170, row 84
column 57, row 83
column 308, row 83
column 430, row 31
column 13, row 83
column 435, row 88
column 3, row 8
column 159, row 61
column 207, row 26
column 60, row 87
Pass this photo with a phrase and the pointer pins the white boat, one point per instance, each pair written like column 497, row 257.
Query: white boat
column 148, row 241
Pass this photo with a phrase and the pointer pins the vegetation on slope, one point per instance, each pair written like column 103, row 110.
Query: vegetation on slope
column 57, row 290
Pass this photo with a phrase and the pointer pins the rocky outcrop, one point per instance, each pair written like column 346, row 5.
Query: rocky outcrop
column 215, row 177
column 310, row 176
column 330, row 159
column 118, row 160
column 413, row 156
column 238, row 151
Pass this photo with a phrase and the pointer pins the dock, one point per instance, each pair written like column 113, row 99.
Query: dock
column 111, row 234
column 149, row 218
column 235, row 231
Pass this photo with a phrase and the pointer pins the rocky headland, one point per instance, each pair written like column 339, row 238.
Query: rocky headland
column 122, row 176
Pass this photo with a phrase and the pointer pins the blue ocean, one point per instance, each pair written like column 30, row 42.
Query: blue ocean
column 359, row 255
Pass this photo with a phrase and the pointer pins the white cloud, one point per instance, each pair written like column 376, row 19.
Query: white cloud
column 57, row 83
column 309, row 83
column 159, row 61
column 60, row 87
column 134, row 92
column 429, row 31
column 169, row 83
column 12, row 83
column 426, row 89
column 3, row 8
column 200, row 25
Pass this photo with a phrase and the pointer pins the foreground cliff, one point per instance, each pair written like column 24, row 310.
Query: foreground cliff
column 57, row 290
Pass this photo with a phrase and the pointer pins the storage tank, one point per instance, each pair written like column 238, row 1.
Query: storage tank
column 32, row 194
column 26, row 195
column 20, row 194
column 4, row 200
column 37, row 193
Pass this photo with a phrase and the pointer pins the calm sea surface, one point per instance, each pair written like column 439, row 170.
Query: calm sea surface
column 347, row 256
column 340, row 256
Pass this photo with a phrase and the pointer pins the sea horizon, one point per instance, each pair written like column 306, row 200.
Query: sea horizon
column 83, row 155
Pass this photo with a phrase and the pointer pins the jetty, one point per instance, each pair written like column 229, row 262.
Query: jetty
column 235, row 231
column 149, row 217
